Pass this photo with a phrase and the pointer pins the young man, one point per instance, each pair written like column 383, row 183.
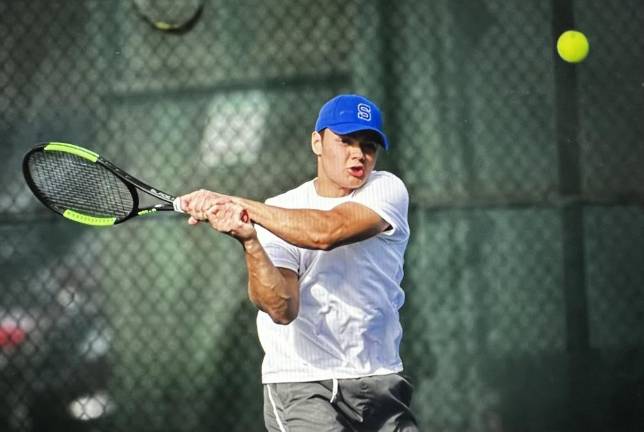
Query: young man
column 325, row 262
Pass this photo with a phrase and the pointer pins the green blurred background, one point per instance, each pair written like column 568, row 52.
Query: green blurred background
column 525, row 269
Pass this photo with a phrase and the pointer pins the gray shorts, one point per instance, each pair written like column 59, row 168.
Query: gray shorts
column 375, row 403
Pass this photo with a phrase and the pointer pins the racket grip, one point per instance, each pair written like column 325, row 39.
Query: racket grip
column 176, row 205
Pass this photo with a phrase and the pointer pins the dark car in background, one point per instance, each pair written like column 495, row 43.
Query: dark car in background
column 53, row 362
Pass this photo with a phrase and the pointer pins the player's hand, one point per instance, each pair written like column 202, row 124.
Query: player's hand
column 231, row 219
column 198, row 203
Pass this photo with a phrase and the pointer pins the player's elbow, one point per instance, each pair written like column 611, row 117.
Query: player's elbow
column 320, row 241
column 329, row 238
column 331, row 243
column 278, row 315
column 283, row 312
column 323, row 245
column 284, row 318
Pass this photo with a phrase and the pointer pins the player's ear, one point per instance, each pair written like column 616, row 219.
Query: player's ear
column 316, row 143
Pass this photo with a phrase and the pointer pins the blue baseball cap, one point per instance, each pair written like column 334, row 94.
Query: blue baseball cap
column 349, row 113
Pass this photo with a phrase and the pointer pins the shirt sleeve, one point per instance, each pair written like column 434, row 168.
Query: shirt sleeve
column 280, row 252
column 387, row 195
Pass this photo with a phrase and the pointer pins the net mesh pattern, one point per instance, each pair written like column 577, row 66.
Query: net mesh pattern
column 524, row 275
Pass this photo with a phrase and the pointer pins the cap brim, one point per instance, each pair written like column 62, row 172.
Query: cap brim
column 348, row 128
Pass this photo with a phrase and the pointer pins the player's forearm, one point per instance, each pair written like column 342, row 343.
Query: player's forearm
column 267, row 287
column 305, row 228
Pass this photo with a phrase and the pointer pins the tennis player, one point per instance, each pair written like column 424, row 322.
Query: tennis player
column 325, row 262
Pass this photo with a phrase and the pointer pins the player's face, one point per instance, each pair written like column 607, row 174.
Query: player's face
column 344, row 161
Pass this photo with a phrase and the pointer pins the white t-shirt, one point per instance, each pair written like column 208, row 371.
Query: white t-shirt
column 348, row 324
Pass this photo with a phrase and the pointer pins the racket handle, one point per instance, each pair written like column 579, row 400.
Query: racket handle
column 176, row 205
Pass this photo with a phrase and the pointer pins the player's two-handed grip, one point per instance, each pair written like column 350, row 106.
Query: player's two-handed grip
column 220, row 211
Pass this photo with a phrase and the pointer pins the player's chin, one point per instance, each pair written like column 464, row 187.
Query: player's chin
column 355, row 182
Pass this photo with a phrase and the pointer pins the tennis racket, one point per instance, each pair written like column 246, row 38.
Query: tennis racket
column 86, row 188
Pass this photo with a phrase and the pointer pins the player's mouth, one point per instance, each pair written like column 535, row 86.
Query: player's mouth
column 357, row 171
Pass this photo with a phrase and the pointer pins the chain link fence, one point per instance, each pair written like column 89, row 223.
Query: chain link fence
column 524, row 273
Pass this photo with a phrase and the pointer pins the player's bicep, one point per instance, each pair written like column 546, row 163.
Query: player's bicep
column 355, row 222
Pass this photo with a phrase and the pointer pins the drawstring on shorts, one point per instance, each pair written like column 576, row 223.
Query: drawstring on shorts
column 334, row 392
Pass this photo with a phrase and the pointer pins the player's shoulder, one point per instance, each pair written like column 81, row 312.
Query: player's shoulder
column 384, row 176
column 291, row 197
column 386, row 179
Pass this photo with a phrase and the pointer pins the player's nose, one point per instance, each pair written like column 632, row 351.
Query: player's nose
column 357, row 152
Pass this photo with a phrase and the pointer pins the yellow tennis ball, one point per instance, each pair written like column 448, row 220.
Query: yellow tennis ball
column 573, row 46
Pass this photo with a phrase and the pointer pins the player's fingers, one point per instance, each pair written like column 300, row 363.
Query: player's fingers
column 216, row 215
column 218, row 205
column 215, row 210
column 209, row 199
column 237, row 213
column 196, row 203
column 195, row 200
column 232, row 217
column 192, row 220
column 184, row 202
column 223, row 216
column 191, row 202
column 221, row 199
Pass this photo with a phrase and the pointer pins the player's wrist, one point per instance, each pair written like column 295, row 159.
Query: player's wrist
column 251, row 245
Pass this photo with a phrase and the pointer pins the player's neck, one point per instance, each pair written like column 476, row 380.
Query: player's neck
column 328, row 189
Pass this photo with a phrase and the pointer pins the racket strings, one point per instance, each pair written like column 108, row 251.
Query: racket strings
column 66, row 181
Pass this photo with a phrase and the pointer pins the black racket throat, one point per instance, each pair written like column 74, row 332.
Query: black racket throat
column 84, row 187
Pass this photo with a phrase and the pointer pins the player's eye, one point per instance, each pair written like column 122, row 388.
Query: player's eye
column 370, row 147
